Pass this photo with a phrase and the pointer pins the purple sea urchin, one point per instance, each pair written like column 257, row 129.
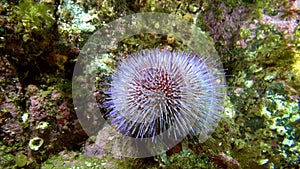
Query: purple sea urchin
column 167, row 125
column 155, row 90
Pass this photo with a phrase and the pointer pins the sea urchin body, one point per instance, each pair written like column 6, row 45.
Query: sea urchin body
column 162, row 91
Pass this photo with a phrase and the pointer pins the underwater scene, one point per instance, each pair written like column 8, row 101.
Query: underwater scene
column 149, row 84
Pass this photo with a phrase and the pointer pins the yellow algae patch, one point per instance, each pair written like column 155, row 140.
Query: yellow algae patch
column 296, row 66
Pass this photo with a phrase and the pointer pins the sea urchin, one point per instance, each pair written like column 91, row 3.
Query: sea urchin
column 162, row 91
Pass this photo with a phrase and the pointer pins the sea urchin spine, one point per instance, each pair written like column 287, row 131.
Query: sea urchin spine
column 162, row 91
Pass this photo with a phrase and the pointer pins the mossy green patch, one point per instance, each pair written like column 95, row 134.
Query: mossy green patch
column 21, row 160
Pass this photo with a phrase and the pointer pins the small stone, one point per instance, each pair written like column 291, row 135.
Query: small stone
column 269, row 78
column 249, row 83
column 263, row 161
column 25, row 117
column 193, row 8
column 288, row 142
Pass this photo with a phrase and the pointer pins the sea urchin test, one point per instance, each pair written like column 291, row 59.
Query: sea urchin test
column 160, row 91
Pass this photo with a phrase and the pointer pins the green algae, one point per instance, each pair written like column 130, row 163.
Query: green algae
column 75, row 160
column 33, row 17
column 21, row 160
column 6, row 158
